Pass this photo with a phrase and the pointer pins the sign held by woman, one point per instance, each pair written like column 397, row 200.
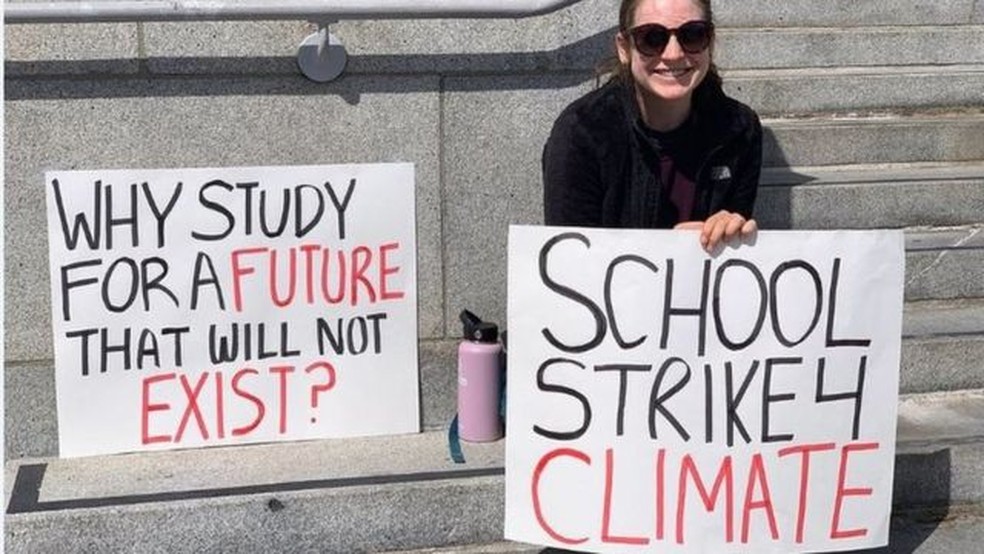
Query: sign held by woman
column 663, row 398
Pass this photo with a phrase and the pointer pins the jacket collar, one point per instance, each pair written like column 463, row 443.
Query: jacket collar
column 708, row 111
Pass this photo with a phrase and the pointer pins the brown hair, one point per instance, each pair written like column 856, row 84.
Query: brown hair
column 615, row 69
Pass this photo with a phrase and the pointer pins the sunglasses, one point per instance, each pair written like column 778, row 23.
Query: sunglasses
column 693, row 36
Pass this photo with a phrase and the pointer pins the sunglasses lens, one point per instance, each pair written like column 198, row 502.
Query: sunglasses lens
column 694, row 36
column 651, row 39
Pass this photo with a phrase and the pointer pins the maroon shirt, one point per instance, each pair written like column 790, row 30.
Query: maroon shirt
column 677, row 172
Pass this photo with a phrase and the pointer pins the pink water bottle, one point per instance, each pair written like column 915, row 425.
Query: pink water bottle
column 479, row 380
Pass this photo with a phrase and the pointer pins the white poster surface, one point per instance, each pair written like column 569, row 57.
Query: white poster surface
column 663, row 399
column 205, row 307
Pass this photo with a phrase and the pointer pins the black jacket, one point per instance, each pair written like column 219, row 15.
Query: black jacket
column 599, row 169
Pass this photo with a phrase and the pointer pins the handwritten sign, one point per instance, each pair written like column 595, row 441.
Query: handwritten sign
column 662, row 399
column 201, row 307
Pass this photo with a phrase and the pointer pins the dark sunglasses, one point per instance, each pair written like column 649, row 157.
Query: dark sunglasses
column 693, row 36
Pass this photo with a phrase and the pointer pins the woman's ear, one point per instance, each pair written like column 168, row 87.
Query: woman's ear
column 623, row 48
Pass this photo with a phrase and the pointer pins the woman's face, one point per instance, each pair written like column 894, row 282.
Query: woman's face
column 673, row 74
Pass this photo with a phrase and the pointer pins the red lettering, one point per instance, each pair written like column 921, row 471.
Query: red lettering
column 146, row 407
column 535, row 490
column 260, row 409
column 282, row 371
column 724, row 477
column 385, row 271
column 309, row 250
column 805, row 450
column 756, row 474
column 291, row 278
column 835, row 531
column 238, row 272
column 359, row 267
column 361, row 275
column 325, row 273
column 192, row 406
column 660, row 492
column 219, row 406
column 606, row 535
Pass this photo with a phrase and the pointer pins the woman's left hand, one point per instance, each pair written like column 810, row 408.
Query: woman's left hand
column 721, row 227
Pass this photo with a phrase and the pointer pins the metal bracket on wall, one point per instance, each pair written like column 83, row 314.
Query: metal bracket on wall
column 321, row 57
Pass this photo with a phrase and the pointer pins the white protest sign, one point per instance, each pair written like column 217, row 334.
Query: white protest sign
column 203, row 307
column 663, row 399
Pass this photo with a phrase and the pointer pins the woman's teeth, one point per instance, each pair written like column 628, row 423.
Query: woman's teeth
column 674, row 72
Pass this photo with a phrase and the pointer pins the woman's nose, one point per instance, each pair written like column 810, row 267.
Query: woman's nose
column 673, row 50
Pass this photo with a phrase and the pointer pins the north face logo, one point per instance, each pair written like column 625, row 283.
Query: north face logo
column 720, row 173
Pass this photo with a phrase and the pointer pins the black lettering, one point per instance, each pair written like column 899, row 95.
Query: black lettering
column 147, row 347
column 284, row 214
column 335, row 338
column 708, row 404
column 218, row 207
column 155, row 283
column 106, row 349
column 223, row 348
column 760, row 318
column 84, row 334
column 610, row 309
column 377, row 336
column 261, row 352
column 768, row 398
column 248, row 208
column 857, row 394
column 732, row 401
column 832, row 307
column 203, row 260
column 623, row 372
column 80, row 225
column 67, row 285
column 774, row 300
column 158, row 214
column 301, row 229
column 363, row 335
column 600, row 325
column 285, row 351
column 700, row 311
column 542, row 385
column 656, row 400
column 340, row 207
column 177, row 332
column 131, row 296
column 112, row 222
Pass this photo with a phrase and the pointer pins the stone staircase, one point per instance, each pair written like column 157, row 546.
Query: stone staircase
column 874, row 117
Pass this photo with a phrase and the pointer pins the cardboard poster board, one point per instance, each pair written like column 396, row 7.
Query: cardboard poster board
column 663, row 399
column 202, row 307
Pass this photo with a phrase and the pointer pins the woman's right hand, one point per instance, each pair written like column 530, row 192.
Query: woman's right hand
column 720, row 227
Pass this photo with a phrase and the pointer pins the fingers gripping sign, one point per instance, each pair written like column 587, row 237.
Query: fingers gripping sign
column 723, row 226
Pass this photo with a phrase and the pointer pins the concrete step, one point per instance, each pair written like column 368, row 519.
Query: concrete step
column 944, row 263
column 845, row 89
column 942, row 349
column 942, row 345
column 776, row 47
column 379, row 494
column 957, row 529
column 885, row 138
column 846, row 13
column 871, row 196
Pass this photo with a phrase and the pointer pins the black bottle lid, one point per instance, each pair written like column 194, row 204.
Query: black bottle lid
column 475, row 329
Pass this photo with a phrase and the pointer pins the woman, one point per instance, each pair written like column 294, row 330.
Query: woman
column 659, row 145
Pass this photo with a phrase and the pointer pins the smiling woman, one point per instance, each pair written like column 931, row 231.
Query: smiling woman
column 659, row 145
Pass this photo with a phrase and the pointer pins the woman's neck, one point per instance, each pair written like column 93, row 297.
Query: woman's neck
column 661, row 115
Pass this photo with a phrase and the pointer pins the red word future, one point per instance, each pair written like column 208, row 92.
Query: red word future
column 314, row 274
